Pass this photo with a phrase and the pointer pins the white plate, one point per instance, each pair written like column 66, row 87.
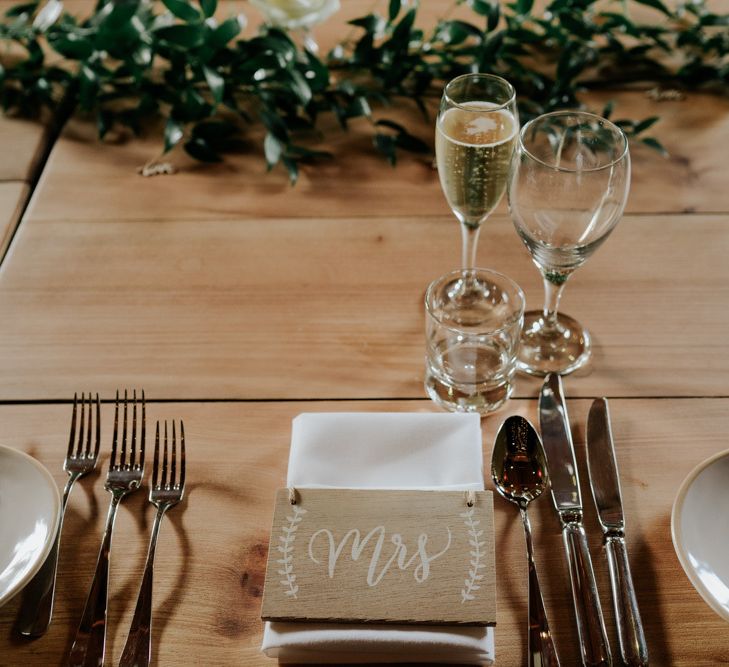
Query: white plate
column 700, row 530
column 30, row 508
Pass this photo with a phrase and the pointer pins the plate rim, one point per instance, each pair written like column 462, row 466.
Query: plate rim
column 13, row 590
column 678, row 504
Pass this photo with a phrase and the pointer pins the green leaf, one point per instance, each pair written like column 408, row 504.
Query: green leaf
column 19, row 10
column 201, row 150
column 608, row 109
column 494, row 16
column 394, row 9
column 523, row 7
column 275, row 125
column 372, row 23
column 457, row 32
column 182, row 10
column 48, row 15
column 215, row 82
column 385, row 144
column 226, row 31
column 209, row 7
column 88, row 87
column 182, row 35
column 293, row 170
column 300, row 87
column 401, row 34
column 214, row 131
column 273, row 150
column 104, row 122
column 645, row 124
column 481, row 7
column 120, row 14
column 173, row 133
column 656, row 4
column 72, row 46
column 655, row 145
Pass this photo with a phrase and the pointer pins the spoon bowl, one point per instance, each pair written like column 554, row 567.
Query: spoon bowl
column 518, row 463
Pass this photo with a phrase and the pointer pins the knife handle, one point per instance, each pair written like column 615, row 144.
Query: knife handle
column 588, row 612
column 633, row 647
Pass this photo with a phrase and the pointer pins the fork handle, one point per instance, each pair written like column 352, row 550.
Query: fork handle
column 89, row 644
column 37, row 606
column 138, row 648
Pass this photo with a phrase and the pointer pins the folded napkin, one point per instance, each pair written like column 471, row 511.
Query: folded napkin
column 383, row 451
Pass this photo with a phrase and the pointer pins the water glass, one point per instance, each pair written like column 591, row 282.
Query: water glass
column 473, row 320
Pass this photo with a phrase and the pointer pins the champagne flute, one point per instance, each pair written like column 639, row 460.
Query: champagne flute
column 567, row 189
column 475, row 135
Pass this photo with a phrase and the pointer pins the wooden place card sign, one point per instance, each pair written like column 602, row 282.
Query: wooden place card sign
column 346, row 555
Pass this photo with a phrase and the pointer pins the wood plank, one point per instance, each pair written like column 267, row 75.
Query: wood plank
column 13, row 196
column 284, row 309
column 358, row 181
column 24, row 143
column 212, row 549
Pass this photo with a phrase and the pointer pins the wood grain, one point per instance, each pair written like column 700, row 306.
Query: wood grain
column 358, row 181
column 363, row 556
column 316, row 309
column 13, row 196
column 24, row 142
column 212, row 548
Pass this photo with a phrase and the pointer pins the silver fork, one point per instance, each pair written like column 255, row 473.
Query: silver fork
column 163, row 494
column 37, row 605
column 122, row 479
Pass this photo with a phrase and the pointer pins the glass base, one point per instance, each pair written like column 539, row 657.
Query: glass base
column 543, row 350
column 483, row 398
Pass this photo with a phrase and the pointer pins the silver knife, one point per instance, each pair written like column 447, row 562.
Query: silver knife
column 605, row 485
column 565, row 486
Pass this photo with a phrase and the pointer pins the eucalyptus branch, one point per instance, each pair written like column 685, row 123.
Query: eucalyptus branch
column 129, row 62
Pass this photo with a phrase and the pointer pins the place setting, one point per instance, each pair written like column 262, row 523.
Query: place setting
column 30, row 487
column 336, row 239
column 372, row 497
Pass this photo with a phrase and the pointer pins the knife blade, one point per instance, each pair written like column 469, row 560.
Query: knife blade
column 605, row 483
column 565, row 489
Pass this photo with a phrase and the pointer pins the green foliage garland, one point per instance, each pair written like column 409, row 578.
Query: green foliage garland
column 131, row 60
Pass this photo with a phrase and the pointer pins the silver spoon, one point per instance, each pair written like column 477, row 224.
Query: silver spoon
column 519, row 471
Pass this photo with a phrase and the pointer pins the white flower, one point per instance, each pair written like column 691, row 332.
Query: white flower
column 292, row 14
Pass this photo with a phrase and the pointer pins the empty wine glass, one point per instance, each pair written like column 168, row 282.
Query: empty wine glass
column 474, row 140
column 567, row 189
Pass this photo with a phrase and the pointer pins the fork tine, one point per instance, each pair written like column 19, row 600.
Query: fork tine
column 123, row 459
column 72, row 437
column 112, row 462
column 81, row 427
column 173, row 468
column 155, row 466
column 143, row 437
column 181, row 484
column 134, row 428
column 88, row 432
column 97, row 444
column 164, row 460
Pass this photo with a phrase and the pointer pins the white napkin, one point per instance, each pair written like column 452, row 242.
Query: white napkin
column 383, row 451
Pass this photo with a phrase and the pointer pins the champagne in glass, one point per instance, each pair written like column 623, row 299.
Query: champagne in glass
column 475, row 134
column 568, row 187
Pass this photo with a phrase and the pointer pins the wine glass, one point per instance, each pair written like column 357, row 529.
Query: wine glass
column 567, row 189
column 475, row 135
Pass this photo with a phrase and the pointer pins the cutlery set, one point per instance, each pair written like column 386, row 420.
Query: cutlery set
column 522, row 467
column 125, row 475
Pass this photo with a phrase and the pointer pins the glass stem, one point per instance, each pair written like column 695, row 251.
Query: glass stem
column 469, row 234
column 552, row 294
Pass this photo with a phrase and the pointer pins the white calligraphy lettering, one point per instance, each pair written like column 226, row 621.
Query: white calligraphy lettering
column 377, row 535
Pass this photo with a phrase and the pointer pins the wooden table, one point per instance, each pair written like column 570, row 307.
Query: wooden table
column 238, row 302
